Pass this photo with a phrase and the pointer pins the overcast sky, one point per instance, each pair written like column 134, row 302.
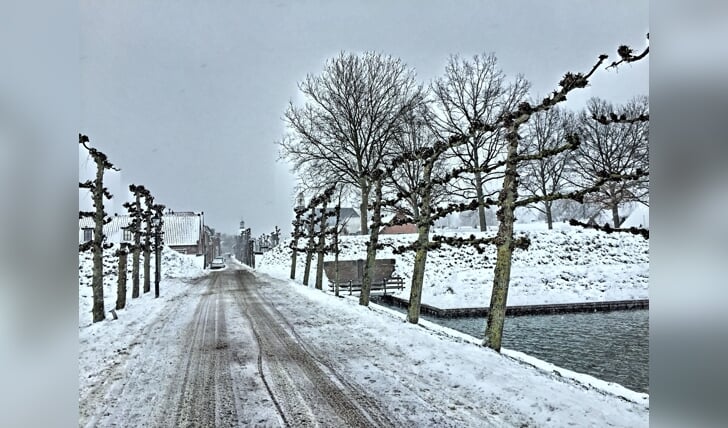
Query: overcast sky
column 187, row 97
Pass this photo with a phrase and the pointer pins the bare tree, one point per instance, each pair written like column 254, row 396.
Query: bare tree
column 475, row 91
column 352, row 112
column 508, row 197
column 429, row 181
column 335, row 244
column 137, row 217
column 566, row 209
column 97, row 243
column 404, row 177
column 121, row 283
column 297, row 233
column 310, row 246
column 431, row 176
column 546, row 175
column 322, row 232
column 611, row 146
column 376, row 179
column 148, row 235
column 157, row 232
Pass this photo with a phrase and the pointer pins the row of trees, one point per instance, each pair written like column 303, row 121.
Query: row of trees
column 267, row 241
column 471, row 136
column 145, row 228
column 365, row 110
column 310, row 225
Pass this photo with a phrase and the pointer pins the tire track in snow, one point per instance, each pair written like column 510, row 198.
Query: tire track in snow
column 205, row 393
column 121, row 398
column 306, row 390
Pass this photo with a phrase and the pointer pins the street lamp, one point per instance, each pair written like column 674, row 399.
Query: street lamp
column 157, row 224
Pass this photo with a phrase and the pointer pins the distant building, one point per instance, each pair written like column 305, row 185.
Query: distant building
column 211, row 243
column 407, row 227
column 348, row 218
column 182, row 231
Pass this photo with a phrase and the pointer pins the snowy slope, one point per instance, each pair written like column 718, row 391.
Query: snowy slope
column 564, row 265
column 102, row 345
column 174, row 265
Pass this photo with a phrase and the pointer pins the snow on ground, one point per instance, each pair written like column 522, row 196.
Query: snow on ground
column 449, row 369
column 174, row 265
column 444, row 368
column 101, row 343
column 564, row 265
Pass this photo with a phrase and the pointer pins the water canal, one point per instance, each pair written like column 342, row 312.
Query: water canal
column 612, row 346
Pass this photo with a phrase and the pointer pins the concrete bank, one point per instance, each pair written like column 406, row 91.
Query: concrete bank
column 559, row 308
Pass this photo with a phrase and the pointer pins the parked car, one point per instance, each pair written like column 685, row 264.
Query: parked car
column 217, row 263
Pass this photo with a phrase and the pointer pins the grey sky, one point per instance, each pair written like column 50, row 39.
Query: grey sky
column 186, row 97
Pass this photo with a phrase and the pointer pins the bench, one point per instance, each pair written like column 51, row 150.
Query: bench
column 351, row 274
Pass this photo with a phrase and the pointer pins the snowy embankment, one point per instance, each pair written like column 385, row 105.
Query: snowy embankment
column 174, row 266
column 100, row 343
column 450, row 369
column 564, row 265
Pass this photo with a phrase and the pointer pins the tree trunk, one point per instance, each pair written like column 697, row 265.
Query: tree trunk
column 363, row 209
column 415, row 208
column 423, row 239
column 309, row 248
column 293, row 258
column 136, row 251
column 336, row 248
column 147, row 256
column 320, row 249
column 504, row 252
column 366, row 283
column 481, row 198
column 97, row 283
column 157, row 262
column 418, row 273
column 336, row 269
column 615, row 215
column 294, row 245
column 549, row 215
column 121, row 286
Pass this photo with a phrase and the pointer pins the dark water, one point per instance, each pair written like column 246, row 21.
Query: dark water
column 612, row 346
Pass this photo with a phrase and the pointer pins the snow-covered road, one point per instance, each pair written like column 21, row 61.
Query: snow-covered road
column 225, row 357
column 240, row 348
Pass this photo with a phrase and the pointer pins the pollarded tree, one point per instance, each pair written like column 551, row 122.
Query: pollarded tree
column 148, row 235
column 508, row 199
column 137, row 217
column 376, row 178
column 547, row 175
column 334, row 246
column 611, row 146
column 322, row 232
column 121, row 283
column 297, row 234
column 97, row 243
column 352, row 112
column 311, row 243
column 431, row 180
column 157, row 232
column 475, row 91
